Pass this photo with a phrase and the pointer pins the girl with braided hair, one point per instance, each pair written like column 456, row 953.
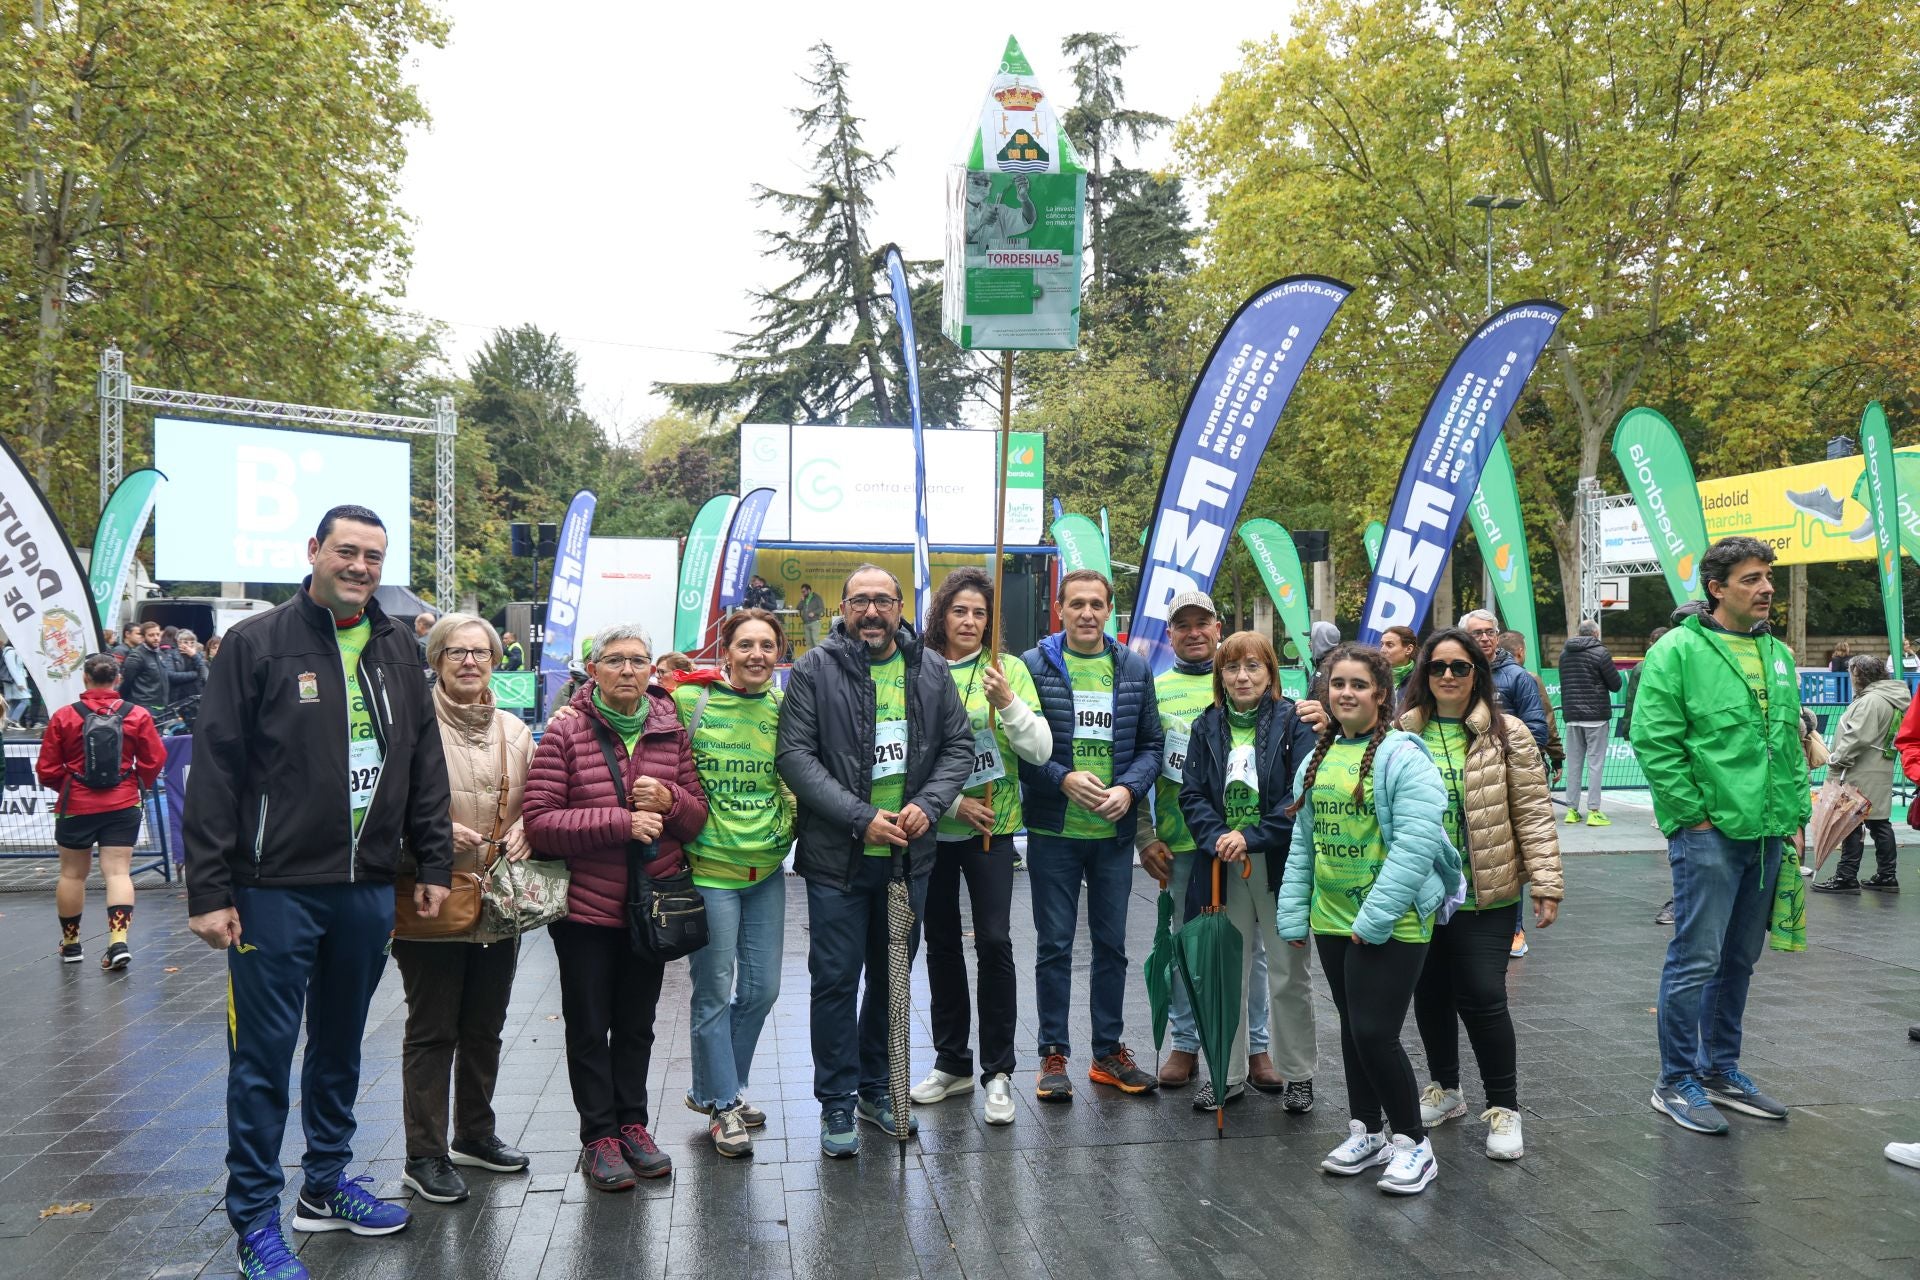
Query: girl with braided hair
column 1369, row 871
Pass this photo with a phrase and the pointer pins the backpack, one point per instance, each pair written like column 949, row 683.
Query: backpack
column 102, row 746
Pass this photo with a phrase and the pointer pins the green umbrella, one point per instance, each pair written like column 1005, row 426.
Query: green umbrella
column 1207, row 953
column 1159, row 970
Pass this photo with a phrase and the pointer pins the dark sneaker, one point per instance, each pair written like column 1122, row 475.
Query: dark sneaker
column 1204, row 1101
column 1736, row 1089
column 604, row 1162
column 729, row 1133
column 1122, row 1072
column 72, row 953
column 264, row 1256
column 488, row 1153
column 1882, row 883
column 118, row 956
column 1688, row 1106
column 350, row 1206
column 1665, row 914
column 1836, row 885
column 1297, row 1097
column 750, row 1115
column 1913, row 1031
column 839, row 1139
column 643, row 1153
column 1052, row 1085
column 880, row 1114
column 434, row 1178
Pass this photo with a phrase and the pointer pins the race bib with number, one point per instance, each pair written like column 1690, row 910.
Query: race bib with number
column 987, row 765
column 889, row 749
column 1173, row 757
column 363, row 772
column 1241, row 769
column 1093, row 714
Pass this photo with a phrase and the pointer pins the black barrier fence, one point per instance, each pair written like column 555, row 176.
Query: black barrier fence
column 26, row 816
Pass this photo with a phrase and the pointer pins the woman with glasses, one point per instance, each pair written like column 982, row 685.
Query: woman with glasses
column 1235, row 789
column 457, row 983
column 618, row 771
column 1500, row 817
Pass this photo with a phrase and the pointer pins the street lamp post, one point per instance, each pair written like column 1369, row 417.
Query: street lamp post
column 1490, row 203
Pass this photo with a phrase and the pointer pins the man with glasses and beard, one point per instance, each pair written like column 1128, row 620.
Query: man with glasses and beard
column 875, row 744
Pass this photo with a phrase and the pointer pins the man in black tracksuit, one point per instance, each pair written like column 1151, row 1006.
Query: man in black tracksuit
column 316, row 754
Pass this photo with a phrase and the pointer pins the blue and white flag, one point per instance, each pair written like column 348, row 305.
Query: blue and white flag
column 1457, row 433
column 743, row 539
column 909, row 356
column 563, row 598
column 1229, row 418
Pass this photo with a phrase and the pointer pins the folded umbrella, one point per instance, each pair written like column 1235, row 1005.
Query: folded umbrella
column 899, row 998
column 1208, row 951
column 1838, row 808
column 1158, row 969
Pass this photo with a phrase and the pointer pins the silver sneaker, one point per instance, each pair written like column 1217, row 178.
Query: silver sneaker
column 1360, row 1152
column 1000, row 1099
column 1504, row 1140
column 1437, row 1105
column 1410, row 1168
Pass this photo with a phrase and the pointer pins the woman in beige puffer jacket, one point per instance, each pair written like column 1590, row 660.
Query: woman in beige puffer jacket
column 1500, row 818
column 458, row 984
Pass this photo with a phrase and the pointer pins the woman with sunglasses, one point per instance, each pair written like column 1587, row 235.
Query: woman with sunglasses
column 1500, row 817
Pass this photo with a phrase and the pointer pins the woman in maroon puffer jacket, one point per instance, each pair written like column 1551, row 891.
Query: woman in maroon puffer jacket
column 573, row 810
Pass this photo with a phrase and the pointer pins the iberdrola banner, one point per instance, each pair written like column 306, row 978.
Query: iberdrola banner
column 743, row 539
column 1015, row 205
column 1229, row 418
column 1463, row 419
column 1278, row 561
column 1883, row 486
column 123, row 522
column 1376, row 533
column 910, row 360
column 1082, row 546
column 699, row 569
column 563, row 598
column 1906, row 470
column 46, row 607
column 1660, row 476
column 1503, row 545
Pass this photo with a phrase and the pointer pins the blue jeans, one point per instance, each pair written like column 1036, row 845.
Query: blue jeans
column 736, row 979
column 1722, row 900
column 847, row 932
column 1186, row 1032
column 1056, row 866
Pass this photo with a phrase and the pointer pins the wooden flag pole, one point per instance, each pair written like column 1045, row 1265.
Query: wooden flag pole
column 993, row 638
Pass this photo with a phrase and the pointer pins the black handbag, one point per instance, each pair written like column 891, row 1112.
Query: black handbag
column 666, row 916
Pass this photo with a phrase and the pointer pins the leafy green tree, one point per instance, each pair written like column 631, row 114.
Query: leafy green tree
column 1707, row 193
column 524, row 395
column 1098, row 122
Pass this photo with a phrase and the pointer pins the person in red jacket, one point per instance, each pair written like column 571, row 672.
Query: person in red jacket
column 577, row 810
column 87, row 816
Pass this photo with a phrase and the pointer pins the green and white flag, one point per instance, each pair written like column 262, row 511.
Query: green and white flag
column 1016, row 205
column 1660, row 475
column 699, row 572
column 1495, row 511
column 1906, row 470
column 1375, row 534
column 123, row 522
column 1083, row 546
column 1278, row 561
column 1883, row 485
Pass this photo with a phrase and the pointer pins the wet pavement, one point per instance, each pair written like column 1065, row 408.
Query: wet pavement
column 111, row 1092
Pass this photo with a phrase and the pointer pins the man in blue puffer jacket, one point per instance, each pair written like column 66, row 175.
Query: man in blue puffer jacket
column 1099, row 701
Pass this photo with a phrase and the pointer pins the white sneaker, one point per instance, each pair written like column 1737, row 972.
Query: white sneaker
column 1437, row 1105
column 1907, row 1153
column 1360, row 1152
column 1503, row 1134
column 939, row 1086
column 1410, row 1168
column 1000, row 1099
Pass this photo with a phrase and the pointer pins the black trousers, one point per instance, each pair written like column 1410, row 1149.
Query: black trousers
column 456, row 1005
column 1886, row 853
column 989, row 876
column 607, row 995
column 1372, row 987
column 1465, row 980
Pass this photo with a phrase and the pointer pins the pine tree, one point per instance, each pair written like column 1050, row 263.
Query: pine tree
column 1098, row 122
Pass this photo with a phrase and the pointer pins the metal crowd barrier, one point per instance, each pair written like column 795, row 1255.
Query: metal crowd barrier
column 26, row 816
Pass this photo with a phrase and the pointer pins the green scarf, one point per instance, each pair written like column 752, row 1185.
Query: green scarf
column 628, row 727
column 1787, row 928
column 1401, row 672
column 1243, row 719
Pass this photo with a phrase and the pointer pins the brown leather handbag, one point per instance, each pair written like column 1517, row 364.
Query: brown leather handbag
column 460, row 912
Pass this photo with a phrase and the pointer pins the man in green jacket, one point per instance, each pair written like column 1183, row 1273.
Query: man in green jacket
column 1716, row 726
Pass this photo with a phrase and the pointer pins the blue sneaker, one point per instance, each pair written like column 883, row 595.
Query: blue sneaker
column 349, row 1207
column 1688, row 1106
column 1736, row 1089
column 881, row 1114
column 264, row 1256
column 839, row 1138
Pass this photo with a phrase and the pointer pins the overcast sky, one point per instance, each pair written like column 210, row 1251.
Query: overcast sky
column 591, row 162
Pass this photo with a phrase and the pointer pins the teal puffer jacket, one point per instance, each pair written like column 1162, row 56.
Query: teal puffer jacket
column 1422, row 868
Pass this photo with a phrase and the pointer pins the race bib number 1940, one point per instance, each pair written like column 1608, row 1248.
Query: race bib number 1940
column 1093, row 714
column 889, row 749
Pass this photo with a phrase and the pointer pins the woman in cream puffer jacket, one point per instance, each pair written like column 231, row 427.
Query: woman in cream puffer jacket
column 1500, row 817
